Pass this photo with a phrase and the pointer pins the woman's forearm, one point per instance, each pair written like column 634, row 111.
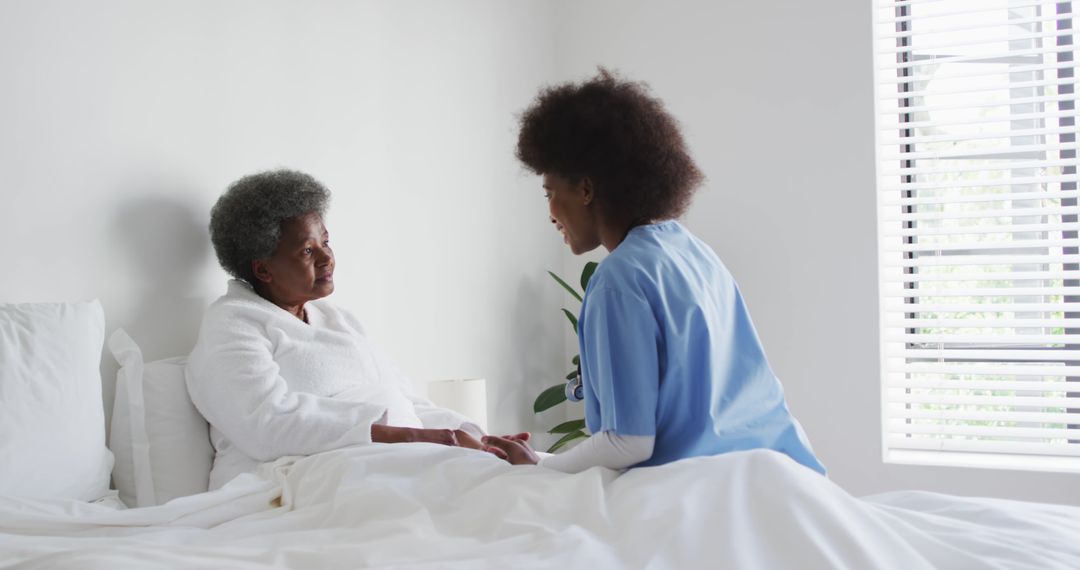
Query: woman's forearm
column 381, row 433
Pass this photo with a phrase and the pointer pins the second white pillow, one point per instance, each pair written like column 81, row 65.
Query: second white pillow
column 161, row 442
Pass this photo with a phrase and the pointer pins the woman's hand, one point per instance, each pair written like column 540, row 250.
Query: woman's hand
column 516, row 447
column 466, row 440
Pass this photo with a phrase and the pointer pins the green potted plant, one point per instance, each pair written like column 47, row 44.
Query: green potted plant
column 555, row 395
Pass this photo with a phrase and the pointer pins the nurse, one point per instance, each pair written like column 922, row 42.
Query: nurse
column 671, row 364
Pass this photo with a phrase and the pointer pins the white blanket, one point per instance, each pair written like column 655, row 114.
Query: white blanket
column 421, row 505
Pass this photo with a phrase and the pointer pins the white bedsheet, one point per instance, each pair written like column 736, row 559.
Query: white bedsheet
column 421, row 505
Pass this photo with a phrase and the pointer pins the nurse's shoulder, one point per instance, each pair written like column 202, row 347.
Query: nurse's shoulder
column 625, row 270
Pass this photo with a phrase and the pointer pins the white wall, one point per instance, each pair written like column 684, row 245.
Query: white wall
column 789, row 204
column 122, row 121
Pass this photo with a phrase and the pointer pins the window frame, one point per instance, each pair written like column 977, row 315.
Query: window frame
column 903, row 11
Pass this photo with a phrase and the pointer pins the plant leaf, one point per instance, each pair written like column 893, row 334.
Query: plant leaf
column 565, row 286
column 573, row 319
column 572, row 374
column 566, row 439
column 550, row 398
column 576, row 360
column 586, row 274
column 567, row 427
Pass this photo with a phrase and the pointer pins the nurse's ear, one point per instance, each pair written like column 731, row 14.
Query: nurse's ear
column 587, row 190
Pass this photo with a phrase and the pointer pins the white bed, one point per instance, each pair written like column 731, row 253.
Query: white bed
column 421, row 506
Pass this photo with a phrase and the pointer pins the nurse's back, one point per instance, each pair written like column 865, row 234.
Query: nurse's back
column 668, row 349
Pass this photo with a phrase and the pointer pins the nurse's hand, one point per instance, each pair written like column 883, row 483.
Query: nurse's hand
column 517, row 450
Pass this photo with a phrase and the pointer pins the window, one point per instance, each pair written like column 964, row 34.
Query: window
column 978, row 247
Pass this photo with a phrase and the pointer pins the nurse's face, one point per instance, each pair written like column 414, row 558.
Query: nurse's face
column 572, row 210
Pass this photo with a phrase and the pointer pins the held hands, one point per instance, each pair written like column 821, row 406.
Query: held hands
column 514, row 448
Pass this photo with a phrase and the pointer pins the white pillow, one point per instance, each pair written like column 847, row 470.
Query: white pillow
column 161, row 442
column 52, row 422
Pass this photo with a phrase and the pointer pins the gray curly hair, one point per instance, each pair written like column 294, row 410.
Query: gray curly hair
column 245, row 223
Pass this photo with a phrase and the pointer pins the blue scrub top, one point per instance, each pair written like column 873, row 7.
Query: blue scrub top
column 668, row 350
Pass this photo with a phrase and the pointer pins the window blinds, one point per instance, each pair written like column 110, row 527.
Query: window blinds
column 978, row 232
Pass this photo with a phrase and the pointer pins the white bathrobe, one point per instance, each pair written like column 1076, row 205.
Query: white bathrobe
column 272, row 385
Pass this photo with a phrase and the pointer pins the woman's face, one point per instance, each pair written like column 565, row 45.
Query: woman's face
column 302, row 267
column 570, row 207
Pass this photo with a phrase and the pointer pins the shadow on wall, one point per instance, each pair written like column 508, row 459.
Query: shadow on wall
column 164, row 242
column 160, row 249
column 537, row 338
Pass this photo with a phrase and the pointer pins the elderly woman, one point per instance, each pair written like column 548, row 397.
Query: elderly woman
column 278, row 370
column 671, row 364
